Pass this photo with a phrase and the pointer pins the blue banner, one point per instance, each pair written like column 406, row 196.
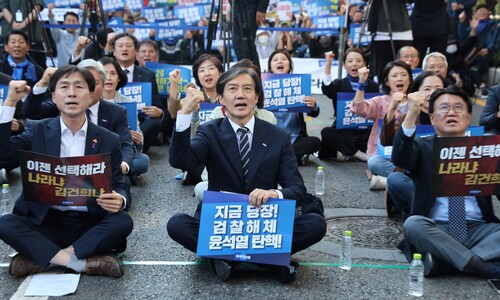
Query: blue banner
column 116, row 24
column 190, row 14
column 131, row 114
column 113, row 5
column 163, row 33
column 318, row 8
column 285, row 92
column 134, row 4
column 155, row 14
column 354, row 32
column 421, row 131
column 232, row 229
column 63, row 3
column 347, row 119
column 162, row 72
column 331, row 24
column 139, row 92
column 4, row 90
column 206, row 110
column 416, row 72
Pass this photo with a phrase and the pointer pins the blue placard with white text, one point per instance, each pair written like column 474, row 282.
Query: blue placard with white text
column 331, row 24
column 131, row 114
column 113, row 5
column 190, row 14
column 285, row 92
column 421, row 131
column 206, row 110
column 345, row 117
column 162, row 72
column 155, row 14
column 164, row 32
column 4, row 89
column 139, row 92
column 354, row 32
column 232, row 229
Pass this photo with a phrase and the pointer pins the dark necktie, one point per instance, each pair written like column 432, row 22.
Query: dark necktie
column 457, row 226
column 244, row 150
column 126, row 71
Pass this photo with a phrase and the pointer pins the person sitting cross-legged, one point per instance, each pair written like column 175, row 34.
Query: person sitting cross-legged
column 80, row 238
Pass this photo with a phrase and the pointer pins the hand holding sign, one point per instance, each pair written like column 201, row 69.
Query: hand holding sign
column 17, row 90
column 192, row 101
column 259, row 197
column 152, row 111
column 111, row 202
column 310, row 101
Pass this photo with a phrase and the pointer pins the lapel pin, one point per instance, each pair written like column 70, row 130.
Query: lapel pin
column 94, row 142
column 263, row 144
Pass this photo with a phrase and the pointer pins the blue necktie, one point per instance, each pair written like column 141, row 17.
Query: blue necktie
column 244, row 150
column 457, row 226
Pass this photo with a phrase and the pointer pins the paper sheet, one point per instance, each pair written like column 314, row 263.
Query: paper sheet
column 52, row 285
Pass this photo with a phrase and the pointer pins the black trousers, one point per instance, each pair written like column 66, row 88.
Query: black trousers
column 87, row 234
column 382, row 54
column 244, row 31
column 308, row 229
column 434, row 43
column 150, row 128
column 346, row 141
column 305, row 145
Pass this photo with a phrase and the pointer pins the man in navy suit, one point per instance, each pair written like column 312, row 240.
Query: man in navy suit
column 125, row 47
column 429, row 229
column 272, row 162
column 77, row 237
column 103, row 113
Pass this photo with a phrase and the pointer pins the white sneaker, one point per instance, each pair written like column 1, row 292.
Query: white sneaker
column 3, row 176
column 359, row 155
column 378, row 183
column 342, row 157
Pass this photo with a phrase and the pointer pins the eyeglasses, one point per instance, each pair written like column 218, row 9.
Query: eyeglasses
column 408, row 56
column 458, row 108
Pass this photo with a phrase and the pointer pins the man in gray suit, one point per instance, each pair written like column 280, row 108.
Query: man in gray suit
column 472, row 245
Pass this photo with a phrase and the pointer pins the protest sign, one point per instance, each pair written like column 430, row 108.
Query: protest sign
column 285, row 92
column 138, row 92
column 347, row 119
column 232, row 229
column 162, row 72
column 66, row 181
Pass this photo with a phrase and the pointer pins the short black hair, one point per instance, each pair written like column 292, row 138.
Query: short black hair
column 197, row 63
column 154, row 44
column 102, row 35
column 126, row 34
column 385, row 75
column 451, row 90
column 355, row 50
column 417, row 82
column 284, row 52
column 235, row 72
column 66, row 71
column 71, row 13
column 246, row 63
column 122, row 77
column 19, row 32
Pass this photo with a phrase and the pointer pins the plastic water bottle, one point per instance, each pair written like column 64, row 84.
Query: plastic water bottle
column 346, row 251
column 320, row 181
column 5, row 201
column 416, row 276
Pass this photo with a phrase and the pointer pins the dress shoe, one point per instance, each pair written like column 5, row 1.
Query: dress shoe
column 22, row 266
column 222, row 269
column 288, row 274
column 105, row 265
column 304, row 160
column 434, row 266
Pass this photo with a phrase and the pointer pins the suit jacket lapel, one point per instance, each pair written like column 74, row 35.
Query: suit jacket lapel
column 227, row 136
column 103, row 115
column 53, row 133
column 93, row 140
column 260, row 144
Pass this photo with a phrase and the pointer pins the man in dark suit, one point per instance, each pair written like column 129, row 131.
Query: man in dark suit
column 490, row 117
column 431, row 227
column 125, row 47
column 78, row 237
column 271, row 162
column 103, row 113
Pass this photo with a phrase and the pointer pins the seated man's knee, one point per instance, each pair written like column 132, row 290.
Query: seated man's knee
column 413, row 226
column 175, row 224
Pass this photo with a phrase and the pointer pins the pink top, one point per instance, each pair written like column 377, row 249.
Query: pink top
column 373, row 109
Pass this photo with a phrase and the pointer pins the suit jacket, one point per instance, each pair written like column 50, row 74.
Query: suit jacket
column 415, row 155
column 111, row 116
column 272, row 160
column 44, row 137
column 489, row 116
